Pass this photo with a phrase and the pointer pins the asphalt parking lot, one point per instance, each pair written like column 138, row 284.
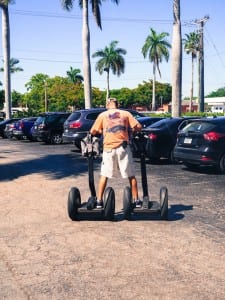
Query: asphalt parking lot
column 44, row 255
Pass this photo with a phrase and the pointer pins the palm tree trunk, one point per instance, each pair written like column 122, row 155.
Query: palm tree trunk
column 107, row 90
column 6, row 59
column 153, row 88
column 176, row 61
column 192, row 83
column 86, row 56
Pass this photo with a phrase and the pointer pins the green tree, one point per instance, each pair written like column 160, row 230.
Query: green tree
column 17, row 99
column 156, row 48
column 111, row 58
column 35, row 97
column 59, row 92
column 95, row 5
column 6, row 54
column 191, row 46
column 176, row 61
column 218, row 93
column 74, row 75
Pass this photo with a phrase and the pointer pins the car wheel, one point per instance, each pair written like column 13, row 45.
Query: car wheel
column 78, row 145
column 221, row 166
column 56, row 138
column 171, row 158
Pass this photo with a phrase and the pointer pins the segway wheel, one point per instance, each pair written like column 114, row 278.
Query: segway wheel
column 164, row 203
column 127, row 203
column 74, row 203
column 109, row 204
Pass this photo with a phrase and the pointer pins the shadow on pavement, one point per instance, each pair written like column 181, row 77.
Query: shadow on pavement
column 56, row 166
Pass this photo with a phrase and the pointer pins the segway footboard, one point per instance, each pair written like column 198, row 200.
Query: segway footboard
column 153, row 209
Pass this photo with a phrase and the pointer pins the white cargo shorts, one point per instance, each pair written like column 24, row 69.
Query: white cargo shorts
column 119, row 159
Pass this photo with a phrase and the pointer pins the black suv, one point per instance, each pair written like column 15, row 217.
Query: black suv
column 80, row 122
column 202, row 143
column 49, row 127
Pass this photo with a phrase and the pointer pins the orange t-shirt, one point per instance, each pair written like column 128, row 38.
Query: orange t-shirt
column 115, row 124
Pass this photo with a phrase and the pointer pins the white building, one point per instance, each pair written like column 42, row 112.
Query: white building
column 216, row 104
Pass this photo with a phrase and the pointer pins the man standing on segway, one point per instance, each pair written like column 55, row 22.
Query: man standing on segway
column 116, row 126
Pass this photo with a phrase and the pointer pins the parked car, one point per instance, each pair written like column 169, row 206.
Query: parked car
column 80, row 122
column 161, row 137
column 202, row 143
column 8, row 131
column 145, row 122
column 49, row 127
column 23, row 128
column 3, row 125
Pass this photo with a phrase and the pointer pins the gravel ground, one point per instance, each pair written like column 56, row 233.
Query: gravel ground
column 45, row 255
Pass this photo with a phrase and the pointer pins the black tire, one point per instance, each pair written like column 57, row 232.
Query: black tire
column 172, row 160
column 164, row 203
column 221, row 167
column 127, row 203
column 56, row 138
column 74, row 203
column 109, row 204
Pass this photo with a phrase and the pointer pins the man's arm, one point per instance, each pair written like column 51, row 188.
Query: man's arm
column 96, row 127
column 137, row 127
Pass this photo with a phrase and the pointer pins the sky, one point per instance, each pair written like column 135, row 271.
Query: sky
column 47, row 39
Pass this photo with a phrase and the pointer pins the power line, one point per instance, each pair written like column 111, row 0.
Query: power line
column 79, row 17
column 217, row 52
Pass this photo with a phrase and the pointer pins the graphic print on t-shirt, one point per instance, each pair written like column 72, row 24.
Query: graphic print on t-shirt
column 115, row 122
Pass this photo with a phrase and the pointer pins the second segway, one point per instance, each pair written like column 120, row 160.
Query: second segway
column 156, row 208
column 79, row 210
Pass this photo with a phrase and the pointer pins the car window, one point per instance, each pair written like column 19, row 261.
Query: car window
column 93, row 115
column 74, row 116
column 198, row 127
column 39, row 120
column 62, row 119
column 51, row 118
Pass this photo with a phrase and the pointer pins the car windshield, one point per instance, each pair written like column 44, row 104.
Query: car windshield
column 162, row 123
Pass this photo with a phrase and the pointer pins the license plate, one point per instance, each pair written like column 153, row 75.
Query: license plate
column 187, row 141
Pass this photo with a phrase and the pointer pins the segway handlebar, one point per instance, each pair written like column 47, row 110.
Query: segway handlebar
column 90, row 145
column 139, row 141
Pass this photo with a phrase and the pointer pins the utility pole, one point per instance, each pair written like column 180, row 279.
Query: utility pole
column 201, row 96
column 46, row 96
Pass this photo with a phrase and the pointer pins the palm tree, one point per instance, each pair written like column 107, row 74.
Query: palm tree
column 191, row 46
column 176, row 61
column 83, row 4
column 6, row 54
column 74, row 76
column 111, row 58
column 156, row 47
column 12, row 66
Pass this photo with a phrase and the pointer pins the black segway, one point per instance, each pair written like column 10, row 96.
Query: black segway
column 155, row 208
column 78, row 210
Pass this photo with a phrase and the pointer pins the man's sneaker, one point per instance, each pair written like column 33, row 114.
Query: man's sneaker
column 99, row 204
column 138, row 203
